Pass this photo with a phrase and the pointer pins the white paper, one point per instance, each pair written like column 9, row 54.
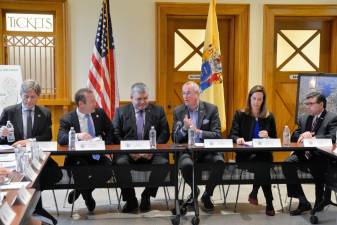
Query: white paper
column 248, row 143
column 9, row 165
column 218, row 143
column 313, row 142
column 266, row 142
column 47, row 146
column 199, row 144
column 135, row 145
column 30, row 173
column 7, row 157
column 6, row 147
column 14, row 185
column 23, row 196
column 89, row 145
column 7, row 215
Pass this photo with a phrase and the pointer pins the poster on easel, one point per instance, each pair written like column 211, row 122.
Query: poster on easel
column 10, row 83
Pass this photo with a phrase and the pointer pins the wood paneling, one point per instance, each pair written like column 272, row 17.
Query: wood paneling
column 281, row 91
column 238, row 63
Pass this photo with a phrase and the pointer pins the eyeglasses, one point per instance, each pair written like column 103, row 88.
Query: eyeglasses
column 310, row 103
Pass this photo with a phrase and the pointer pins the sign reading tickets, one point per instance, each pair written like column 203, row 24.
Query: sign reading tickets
column 266, row 142
column 313, row 142
column 29, row 22
column 135, row 145
column 218, row 143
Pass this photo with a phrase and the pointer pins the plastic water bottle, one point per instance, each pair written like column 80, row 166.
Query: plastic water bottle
column 153, row 137
column 286, row 136
column 191, row 137
column 10, row 136
column 34, row 149
column 72, row 138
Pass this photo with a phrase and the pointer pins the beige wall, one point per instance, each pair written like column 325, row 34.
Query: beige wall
column 134, row 33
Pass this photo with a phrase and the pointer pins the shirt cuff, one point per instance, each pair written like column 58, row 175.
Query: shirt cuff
column 200, row 134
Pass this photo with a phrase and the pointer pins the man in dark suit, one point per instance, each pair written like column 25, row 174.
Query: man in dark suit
column 31, row 121
column 133, row 122
column 89, row 122
column 319, row 123
column 204, row 118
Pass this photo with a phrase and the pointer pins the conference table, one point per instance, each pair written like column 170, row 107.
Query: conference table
column 23, row 211
column 233, row 174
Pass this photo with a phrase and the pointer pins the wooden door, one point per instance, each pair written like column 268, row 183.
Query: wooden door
column 185, row 41
column 314, row 34
column 302, row 45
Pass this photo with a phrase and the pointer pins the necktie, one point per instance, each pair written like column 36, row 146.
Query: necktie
column 29, row 123
column 91, row 131
column 140, row 124
column 313, row 127
column 91, row 128
column 314, row 123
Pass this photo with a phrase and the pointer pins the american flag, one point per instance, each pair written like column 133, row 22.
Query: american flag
column 102, row 77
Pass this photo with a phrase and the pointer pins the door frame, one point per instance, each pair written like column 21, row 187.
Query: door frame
column 240, row 12
column 270, row 14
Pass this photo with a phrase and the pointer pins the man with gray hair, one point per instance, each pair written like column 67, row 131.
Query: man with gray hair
column 133, row 122
column 28, row 119
column 204, row 118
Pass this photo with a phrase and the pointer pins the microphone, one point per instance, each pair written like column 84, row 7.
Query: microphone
column 178, row 126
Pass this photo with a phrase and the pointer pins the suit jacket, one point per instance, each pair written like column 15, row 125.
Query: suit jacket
column 325, row 128
column 102, row 124
column 41, row 127
column 208, row 122
column 125, row 127
column 243, row 125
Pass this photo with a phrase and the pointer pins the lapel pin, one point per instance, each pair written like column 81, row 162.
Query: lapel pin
column 97, row 115
column 39, row 115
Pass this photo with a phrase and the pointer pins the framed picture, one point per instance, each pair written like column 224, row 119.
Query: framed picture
column 325, row 83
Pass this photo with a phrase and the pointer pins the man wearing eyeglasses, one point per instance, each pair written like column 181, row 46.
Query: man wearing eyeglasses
column 317, row 123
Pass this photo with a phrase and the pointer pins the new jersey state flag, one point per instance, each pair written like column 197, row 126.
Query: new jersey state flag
column 211, row 70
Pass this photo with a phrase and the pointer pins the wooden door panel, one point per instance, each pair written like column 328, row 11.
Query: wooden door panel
column 176, row 78
column 284, row 96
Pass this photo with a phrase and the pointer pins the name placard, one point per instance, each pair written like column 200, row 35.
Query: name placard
column 89, row 145
column 7, row 215
column 218, row 143
column 23, row 196
column 319, row 142
column 266, row 142
column 47, row 146
column 135, row 145
column 30, row 173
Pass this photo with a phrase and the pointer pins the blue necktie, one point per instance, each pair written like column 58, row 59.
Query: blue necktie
column 91, row 131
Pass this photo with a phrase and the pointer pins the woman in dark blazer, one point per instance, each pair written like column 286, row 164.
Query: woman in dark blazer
column 255, row 122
